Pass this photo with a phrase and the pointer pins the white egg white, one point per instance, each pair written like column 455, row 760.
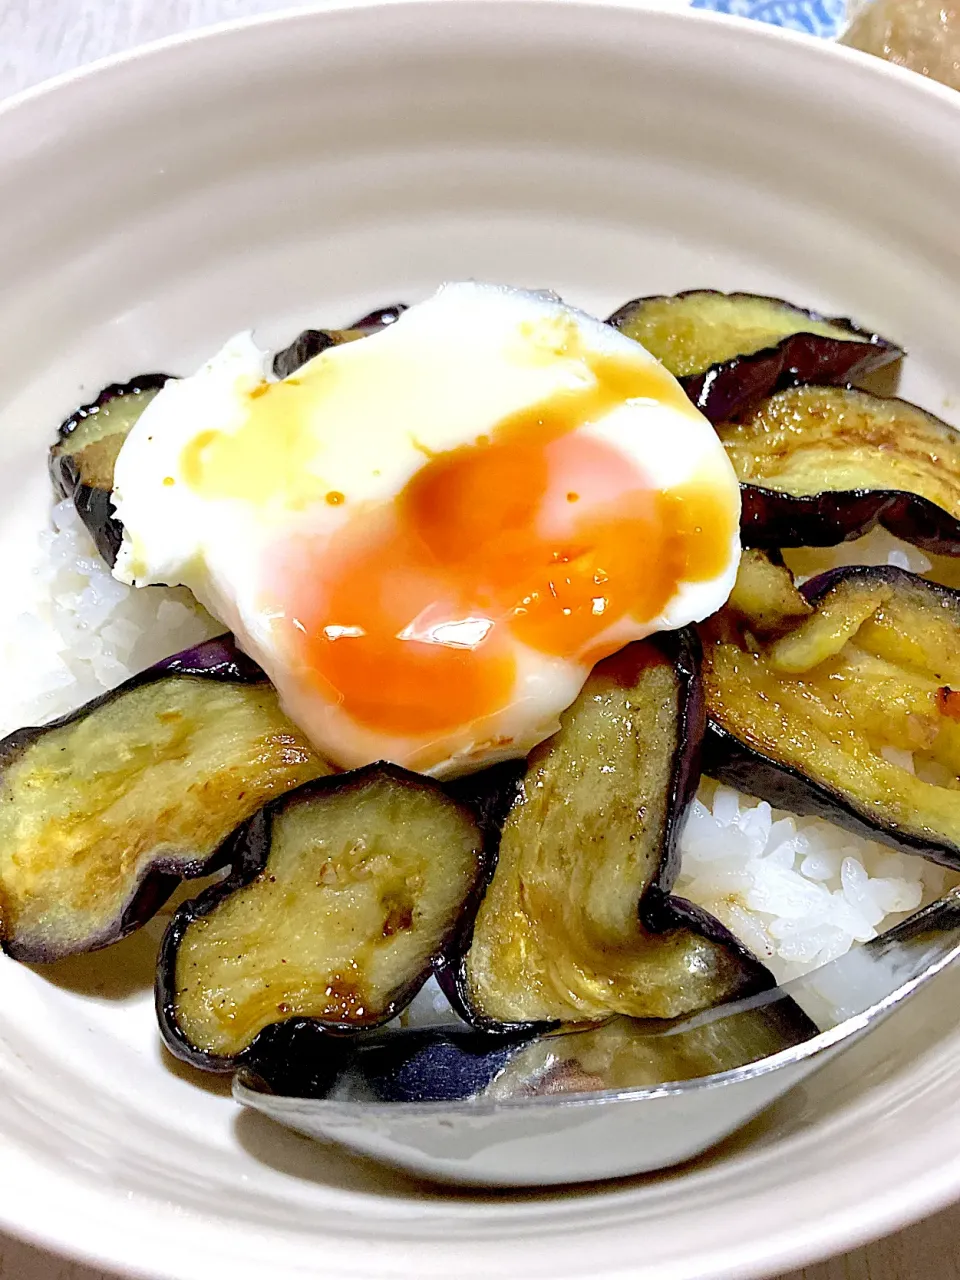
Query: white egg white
column 446, row 372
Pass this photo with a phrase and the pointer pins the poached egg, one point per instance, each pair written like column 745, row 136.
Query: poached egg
column 429, row 536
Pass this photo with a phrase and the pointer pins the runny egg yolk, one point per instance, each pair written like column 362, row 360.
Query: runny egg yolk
column 409, row 614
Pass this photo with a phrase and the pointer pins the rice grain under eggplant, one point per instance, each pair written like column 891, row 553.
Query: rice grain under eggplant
column 796, row 891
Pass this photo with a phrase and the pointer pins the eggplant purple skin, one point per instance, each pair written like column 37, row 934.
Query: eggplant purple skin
column 738, row 765
column 453, row 1063
column 662, row 912
column 431, row 1064
column 153, row 891
column 490, row 806
column 217, row 659
column 732, row 762
column 770, row 519
column 737, row 386
column 94, row 506
column 381, row 317
column 311, row 342
column 683, row 650
column 492, row 793
column 288, row 1045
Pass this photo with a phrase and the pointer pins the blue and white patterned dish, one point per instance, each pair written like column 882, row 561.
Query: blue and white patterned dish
column 825, row 18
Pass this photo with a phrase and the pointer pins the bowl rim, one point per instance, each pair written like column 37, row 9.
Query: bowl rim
column 681, row 10
column 789, row 1245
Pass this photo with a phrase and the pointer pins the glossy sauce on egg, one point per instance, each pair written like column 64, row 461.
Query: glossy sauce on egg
column 536, row 533
column 444, row 614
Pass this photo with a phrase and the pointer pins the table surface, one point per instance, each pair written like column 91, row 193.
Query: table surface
column 39, row 38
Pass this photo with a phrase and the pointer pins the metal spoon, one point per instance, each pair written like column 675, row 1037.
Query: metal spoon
column 626, row 1097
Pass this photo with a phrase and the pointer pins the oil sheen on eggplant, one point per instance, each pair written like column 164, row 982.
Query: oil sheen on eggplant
column 576, row 923
column 342, row 898
column 819, row 465
column 852, row 715
column 105, row 811
column 730, row 350
column 82, row 460
column 765, row 597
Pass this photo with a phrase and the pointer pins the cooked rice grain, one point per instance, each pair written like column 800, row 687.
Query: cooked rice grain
column 797, row 891
column 88, row 633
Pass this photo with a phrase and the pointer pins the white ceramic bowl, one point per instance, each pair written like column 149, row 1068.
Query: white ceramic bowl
column 302, row 169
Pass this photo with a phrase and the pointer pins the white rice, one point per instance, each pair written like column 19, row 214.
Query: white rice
column 802, row 891
column 798, row 892
column 88, row 633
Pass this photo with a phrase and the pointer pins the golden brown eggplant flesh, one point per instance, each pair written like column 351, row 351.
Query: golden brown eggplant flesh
column 82, row 459
column 730, row 350
column 104, row 812
column 576, row 923
column 342, row 898
column 765, row 597
column 820, row 465
column 311, row 342
column 853, row 715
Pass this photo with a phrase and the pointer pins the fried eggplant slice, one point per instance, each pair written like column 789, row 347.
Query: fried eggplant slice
column 854, row 715
column 311, row 342
column 88, row 442
column 576, row 923
column 627, row 1053
column 820, row 465
column 730, row 350
column 343, row 897
column 104, row 812
column 422, row 1064
column 448, row 1064
column 765, row 597
column 82, row 460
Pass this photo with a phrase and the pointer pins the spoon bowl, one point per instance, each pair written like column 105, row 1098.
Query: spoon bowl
column 623, row 1098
